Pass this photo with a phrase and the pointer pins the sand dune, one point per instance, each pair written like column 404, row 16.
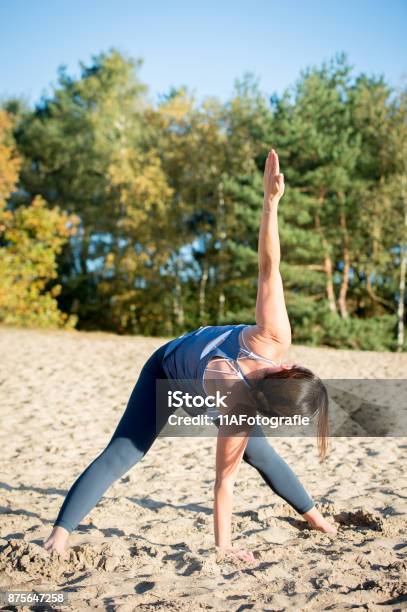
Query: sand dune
column 149, row 543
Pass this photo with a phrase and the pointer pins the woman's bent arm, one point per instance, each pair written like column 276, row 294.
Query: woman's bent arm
column 229, row 453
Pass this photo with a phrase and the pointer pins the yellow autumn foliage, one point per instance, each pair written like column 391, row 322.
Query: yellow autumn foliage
column 31, row 237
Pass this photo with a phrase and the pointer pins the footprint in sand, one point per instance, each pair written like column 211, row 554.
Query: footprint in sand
column 360, row 518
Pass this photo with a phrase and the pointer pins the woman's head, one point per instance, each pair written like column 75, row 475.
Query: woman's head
column 293, row 390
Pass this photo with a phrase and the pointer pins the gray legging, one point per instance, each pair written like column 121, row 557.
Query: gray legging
column 134, row 435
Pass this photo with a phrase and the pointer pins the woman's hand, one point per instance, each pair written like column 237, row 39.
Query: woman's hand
column 273, row 181
column 239, row 554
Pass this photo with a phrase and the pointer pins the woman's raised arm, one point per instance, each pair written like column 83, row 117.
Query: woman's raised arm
column 272, row 332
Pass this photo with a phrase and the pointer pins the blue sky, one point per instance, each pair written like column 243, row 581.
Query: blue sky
column 204, row 45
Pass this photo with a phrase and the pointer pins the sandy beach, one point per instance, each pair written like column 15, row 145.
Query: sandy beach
column 148, row 545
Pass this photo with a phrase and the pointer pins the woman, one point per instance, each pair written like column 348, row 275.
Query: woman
column 214, row 356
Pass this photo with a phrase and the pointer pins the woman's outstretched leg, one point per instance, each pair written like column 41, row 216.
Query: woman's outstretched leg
column 276, row 472
column 281, row 479
column 133, row 437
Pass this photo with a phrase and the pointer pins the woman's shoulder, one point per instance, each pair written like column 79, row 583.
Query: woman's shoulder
column 262, row 342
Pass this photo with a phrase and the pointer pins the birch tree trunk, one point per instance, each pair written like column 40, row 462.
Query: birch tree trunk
column 346, row 263
column 202, row 292
column 403, row 266
column 328, row 267
column 221, row 239
column 178, row 307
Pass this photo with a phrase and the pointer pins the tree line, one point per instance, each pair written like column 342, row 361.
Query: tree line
column 118, row 213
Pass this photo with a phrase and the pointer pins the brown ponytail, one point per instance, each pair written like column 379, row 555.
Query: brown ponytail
column 307, row 396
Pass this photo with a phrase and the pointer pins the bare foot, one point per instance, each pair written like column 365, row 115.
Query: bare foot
column 317, row 521
column 57, row 540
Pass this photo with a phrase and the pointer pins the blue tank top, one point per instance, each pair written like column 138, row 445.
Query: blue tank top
column 186, row 357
